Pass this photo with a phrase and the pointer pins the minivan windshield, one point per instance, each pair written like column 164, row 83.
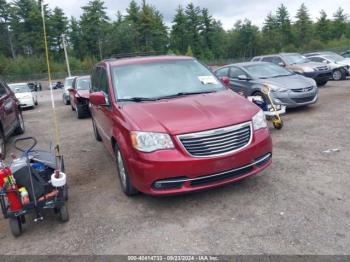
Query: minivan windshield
column 266, row 70
column 18, row 88
column 161, row 80
column 295, row 59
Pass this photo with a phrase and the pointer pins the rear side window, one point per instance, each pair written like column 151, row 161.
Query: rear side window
column 256, row 59
column 267, row 59
column 316, row 59
column 235, row 72
column 222, row 72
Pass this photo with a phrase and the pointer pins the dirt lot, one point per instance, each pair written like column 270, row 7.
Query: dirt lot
column 300, row 205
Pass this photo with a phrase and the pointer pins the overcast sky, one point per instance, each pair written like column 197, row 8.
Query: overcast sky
column 228, row 11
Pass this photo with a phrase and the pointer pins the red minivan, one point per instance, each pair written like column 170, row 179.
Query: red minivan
column 173, row 127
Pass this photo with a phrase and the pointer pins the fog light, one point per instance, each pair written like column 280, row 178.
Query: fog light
column 167, row 185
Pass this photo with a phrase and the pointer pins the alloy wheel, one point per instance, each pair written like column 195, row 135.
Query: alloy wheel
column 121, row 169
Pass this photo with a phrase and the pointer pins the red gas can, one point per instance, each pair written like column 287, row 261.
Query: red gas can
column 8, row 182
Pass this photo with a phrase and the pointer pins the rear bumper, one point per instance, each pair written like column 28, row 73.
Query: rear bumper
column 148, row 171
column 28, row 102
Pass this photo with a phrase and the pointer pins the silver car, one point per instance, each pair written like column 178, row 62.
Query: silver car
column 288, row 88
column 340, row 66
column 68, row 83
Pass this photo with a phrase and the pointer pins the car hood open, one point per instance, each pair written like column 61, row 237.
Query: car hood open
column 83, row 93
column 191, row 113
column 23, row 95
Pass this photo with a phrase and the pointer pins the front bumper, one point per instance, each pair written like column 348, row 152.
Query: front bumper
column 320, row 76
column 292, row 99
column 148, row 171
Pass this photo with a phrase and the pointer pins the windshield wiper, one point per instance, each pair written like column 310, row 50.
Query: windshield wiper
column 186, row 94
column 136, row 99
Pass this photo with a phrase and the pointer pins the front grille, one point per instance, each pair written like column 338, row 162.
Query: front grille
column 303, row 99
column 228, row 175
column 218, row 141
column 302, row 90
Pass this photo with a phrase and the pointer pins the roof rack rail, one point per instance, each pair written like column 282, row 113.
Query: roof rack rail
column 136, row 54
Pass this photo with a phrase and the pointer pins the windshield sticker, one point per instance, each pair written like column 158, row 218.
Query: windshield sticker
column 208, row 80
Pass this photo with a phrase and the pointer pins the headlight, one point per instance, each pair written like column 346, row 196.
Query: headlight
column 274, row 88
column 149, row 142
column 259, row 121
column 308, row 70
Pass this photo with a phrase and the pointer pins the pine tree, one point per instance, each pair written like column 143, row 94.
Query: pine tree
column 339, row 24
column 303, row 26
column 284, row 26
column 193, row 24
column 178, row 37
column 57, row 25
column 94, row 23
column 322, row 30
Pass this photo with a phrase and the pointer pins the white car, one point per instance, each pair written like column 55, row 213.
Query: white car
column 25, row 95
column 340, row 66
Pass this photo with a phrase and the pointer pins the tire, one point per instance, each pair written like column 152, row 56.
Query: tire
column 2, row 145
column 36, row 102
column 322, row 83
column 20, row 129
column 80, row 113
column 15, row 226
column 72, row 107
column 125, row 182
column 65, row 101
column 337, row 75
column 63, row 213
column 96, row 133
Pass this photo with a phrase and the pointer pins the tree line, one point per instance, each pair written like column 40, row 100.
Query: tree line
column 141, row 28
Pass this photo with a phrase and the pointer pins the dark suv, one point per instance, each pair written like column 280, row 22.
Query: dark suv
column 11, row 120
column 169, row 123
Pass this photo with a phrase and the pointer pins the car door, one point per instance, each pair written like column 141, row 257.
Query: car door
column 102, row 115
column 7, row 109
column 237, row 84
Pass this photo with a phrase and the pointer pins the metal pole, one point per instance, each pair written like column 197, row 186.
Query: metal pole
column 65, row 53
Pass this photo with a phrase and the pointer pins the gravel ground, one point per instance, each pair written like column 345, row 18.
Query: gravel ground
column 300, row 205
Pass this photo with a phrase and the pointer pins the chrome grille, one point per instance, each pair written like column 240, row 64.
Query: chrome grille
column 218, row 141
column 301, row 90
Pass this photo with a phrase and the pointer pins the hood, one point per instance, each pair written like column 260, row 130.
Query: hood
column 23, row 95
column 345, row 62
column 307, row 65
column 190, row 113
column 289, row 82
column 83, row 93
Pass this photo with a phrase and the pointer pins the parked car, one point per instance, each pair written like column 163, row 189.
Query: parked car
column 79, row 96
column 25, row 95
column 346, row 54
column 11, row 119
column 56, row 85
column 299, row 64
column 34, row 86
column 173, row 127
column 319, row 53
column 339, row 65
column 288, row 89
column 68, row 83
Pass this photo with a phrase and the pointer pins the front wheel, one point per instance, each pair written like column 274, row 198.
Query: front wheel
column 322, row 83
column 20, row 126
column 2, row 145
column 63, row 213
column 337, row 75
column 15, row 226
column 125, row 182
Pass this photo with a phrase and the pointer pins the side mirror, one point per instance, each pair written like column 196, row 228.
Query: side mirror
column 281, row 64
column 98, row 99
column 225, row 80
column 244, row 78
